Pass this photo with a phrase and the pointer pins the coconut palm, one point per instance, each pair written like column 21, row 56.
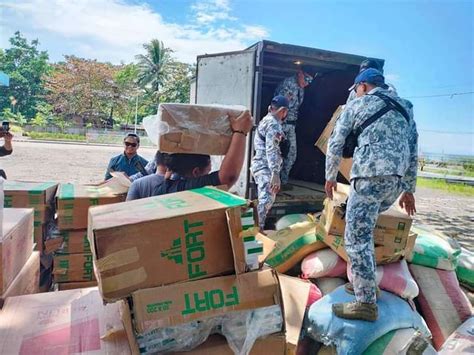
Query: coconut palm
column 154, row 67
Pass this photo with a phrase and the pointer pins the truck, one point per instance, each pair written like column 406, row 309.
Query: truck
column 249, row 78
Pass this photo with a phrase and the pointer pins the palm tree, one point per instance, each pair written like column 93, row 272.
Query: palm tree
column 153, row 67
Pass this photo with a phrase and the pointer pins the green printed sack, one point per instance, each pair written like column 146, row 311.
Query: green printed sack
column 434, row 249
column 294, row 243
column 465, row 269
column 398, row 342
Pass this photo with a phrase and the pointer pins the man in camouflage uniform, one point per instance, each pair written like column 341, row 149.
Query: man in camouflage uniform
column 293, row 89
column 267, row 161
column 384, row 166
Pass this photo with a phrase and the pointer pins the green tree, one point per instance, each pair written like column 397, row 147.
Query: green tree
column 25, row 65
column 176, row 87
column 153, row 67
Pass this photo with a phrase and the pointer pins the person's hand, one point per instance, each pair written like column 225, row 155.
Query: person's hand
column 329, row 187
column 242, row 123
column 407, row 201
column 8, row 137
column 275, row 183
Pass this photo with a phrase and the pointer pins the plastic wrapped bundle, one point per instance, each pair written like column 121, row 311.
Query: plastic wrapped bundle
column 323, row 263
column 290, row 219
column 465, row 269
column 434, row 249
column 241, row 329
column 395, row 278
column 442, row 302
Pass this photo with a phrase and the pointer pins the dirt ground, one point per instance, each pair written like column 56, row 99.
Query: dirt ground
column 84, row 164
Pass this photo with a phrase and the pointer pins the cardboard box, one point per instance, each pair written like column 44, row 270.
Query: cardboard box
column 16, row 245
column 69, row 242
column 184, row 233
column 73, row 267
column 73, row 201
column 198, row 129
column 392, row 236
column 274, row 344
column 322, row 143
column 39, row 235
column 75, row 285
column 27, row 281
column 181, row 303
column 66, row 322
column 20, row 194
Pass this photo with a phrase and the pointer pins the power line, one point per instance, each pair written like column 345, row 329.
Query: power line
column 444, row 132
column 441, row 95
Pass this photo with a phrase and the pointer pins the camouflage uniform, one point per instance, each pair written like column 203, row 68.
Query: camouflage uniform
column 384, row 165
column 266, row 161
column 295, row 94
column 353, row 95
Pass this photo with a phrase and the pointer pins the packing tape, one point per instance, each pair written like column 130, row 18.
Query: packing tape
column 124, row 280
column 117, row 259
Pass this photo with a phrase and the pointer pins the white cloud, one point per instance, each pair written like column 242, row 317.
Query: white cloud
column 113, row 30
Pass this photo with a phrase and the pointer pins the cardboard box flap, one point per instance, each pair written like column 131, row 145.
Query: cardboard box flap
column 294, row 293
column 120, row 178
column 15, row 217
column 183, row 302
column 161, row 207
column 110, row 188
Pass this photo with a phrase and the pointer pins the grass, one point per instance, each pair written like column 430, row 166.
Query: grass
column 450, row 172
column 440, row 184
column 57, row 136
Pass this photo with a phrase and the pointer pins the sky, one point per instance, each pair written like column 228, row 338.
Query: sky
column 428, row 46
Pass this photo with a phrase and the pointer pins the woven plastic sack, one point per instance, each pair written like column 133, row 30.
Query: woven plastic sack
column 434, row 249
column 461, row 341
column 395, row 278
column 442, row 303
column 352, row 337
column 328, row 284
column 398, row 342
column 293, row 244
column 290, row 219
column 323, row 263
column 465, row 269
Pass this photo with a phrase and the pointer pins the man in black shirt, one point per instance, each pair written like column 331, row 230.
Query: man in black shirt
column 192, row 171
column 5, row 149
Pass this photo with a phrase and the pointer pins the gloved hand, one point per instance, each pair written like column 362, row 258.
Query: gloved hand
column 275, row 183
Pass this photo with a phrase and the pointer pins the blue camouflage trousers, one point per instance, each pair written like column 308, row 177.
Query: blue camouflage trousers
column 290, row 133
column 265, row 196
column 368, row 198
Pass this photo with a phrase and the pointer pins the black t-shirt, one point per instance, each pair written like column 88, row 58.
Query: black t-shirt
column 183, row 184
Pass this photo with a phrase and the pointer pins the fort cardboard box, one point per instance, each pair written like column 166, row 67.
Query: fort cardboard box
column 184, row 233
column 322, row 143
column 27, row 281
column 183, row 302
column 21, row 194
column 73, row 201
column 66, row 322
column 69, row 242
column 392, row 236
column 198, row 129
column 73, row 267
column 16, row 244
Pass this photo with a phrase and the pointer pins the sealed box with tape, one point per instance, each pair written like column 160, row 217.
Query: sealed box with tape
column 161, row 240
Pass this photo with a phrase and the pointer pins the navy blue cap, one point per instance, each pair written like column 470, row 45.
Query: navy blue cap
column 280, row 101
column 371, row 76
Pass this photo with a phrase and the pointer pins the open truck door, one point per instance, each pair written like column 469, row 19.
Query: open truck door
column 228, row 79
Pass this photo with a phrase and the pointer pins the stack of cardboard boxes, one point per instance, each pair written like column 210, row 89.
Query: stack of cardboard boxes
column 36, row 195
column 72, row 264
column 179, row 265
column 19, row 264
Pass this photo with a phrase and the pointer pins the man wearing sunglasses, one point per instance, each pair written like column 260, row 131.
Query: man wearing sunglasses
column 129, row 161
column 293, row 89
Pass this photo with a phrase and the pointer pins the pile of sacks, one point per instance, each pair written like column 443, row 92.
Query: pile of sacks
column 422, row 307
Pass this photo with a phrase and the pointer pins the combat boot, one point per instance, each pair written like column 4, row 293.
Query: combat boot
column 356, row 310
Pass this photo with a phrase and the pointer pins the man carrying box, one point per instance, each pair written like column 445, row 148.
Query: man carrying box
column 384, row 166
